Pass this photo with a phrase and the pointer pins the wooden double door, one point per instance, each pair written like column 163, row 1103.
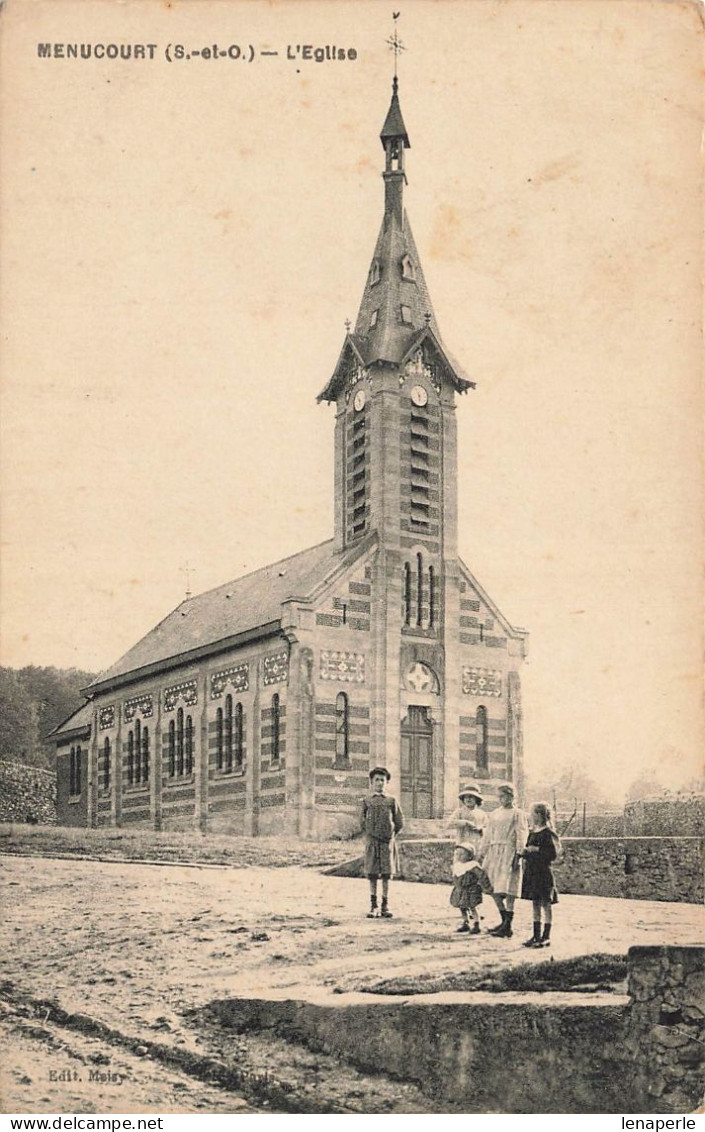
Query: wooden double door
column 416, row 792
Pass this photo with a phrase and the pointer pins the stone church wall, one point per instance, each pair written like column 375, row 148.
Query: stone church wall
column 71, row 809
column 185, row 787
column 486, row 659
column 341, row 666
column 339, row 785
column 27, row 793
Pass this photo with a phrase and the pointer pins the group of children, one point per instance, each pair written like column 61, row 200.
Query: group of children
column 495, row 854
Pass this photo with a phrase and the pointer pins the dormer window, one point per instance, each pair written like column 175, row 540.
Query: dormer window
column 405, row 315
column 375, row 273
column 373, row 319
column 407, row 269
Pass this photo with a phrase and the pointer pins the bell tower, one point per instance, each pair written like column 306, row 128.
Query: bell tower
column 394, row 388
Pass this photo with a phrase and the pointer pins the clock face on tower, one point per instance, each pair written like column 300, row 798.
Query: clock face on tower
column 419, row 395
column 359, row 400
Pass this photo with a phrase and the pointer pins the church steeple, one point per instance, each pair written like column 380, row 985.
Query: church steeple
column 396, row 314
column 394, row 387
column 394, row 140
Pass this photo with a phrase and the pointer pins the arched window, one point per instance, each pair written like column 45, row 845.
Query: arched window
column 342, row 729
column 219, row 737
column 75, row 772
column 407, row 593
column 239, row 736
column 481, row 738
column 172, row 748
column 145, row 754
column 431, row 597
column 419, row 589
column 276, row 720
column 180, row 742
column 130, row 758
column 138, row 753
column 189, row 745
column 106, row 764
column 228, row 733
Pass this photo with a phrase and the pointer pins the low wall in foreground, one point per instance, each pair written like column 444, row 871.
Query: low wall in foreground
column 665, row 1031
column 510, row 1054
column 521, row 1052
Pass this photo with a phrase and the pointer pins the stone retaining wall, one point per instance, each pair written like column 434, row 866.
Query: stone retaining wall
column 519, row 1052
column 511, row 1053
column 27, row 794
column 665, row 1033
column 634, row 868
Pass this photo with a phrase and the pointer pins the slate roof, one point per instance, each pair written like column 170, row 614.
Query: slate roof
column 79, row 720
column 244, row 605
column 394, row 123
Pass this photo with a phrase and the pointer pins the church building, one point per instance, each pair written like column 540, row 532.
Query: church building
column 259, row 707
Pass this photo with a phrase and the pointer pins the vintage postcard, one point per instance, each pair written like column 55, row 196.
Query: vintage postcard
column 352, row 544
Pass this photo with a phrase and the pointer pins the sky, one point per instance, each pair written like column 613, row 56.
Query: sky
column 183, row 242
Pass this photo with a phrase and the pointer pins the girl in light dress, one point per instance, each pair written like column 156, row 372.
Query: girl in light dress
column 506, row 835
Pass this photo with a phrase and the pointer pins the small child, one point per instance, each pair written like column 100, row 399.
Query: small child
column 542, row 848
column 380, row 818
column 470, row 881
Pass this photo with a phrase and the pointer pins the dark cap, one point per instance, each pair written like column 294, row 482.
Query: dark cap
column 380, row 770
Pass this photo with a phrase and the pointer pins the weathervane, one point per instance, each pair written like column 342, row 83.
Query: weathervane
column 395, row 44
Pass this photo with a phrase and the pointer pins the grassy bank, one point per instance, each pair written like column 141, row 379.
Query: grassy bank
column 587, row 973
column 189, row 847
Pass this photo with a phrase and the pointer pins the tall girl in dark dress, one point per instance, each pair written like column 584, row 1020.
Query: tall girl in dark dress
column 537, row 883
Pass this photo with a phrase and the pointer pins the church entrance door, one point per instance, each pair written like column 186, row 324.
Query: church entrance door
column 416, row 795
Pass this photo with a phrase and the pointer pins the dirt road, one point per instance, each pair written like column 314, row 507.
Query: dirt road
column 138, row 947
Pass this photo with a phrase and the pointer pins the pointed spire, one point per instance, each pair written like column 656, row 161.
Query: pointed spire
column 396, row 315
column 394, row 127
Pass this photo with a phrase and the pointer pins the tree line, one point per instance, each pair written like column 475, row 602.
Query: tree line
column 33, row 701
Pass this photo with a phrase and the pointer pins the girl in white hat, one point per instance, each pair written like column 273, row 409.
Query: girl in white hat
column 468, row 822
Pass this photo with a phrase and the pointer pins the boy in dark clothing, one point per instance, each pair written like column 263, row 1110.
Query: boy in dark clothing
column 380, row 819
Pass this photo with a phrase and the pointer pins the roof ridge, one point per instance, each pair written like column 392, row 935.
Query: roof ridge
column 249, row 574
column 198, row 621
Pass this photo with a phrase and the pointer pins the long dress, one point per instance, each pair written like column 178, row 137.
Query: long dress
column 469, row 828
column 538, row 883
column 507, row 831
